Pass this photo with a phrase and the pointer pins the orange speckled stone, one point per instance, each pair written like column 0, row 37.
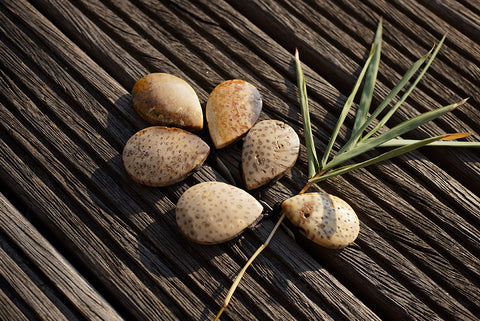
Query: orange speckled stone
column 232, row 109
column 164, row 99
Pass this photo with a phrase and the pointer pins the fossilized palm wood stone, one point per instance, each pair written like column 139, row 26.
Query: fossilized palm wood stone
column 232, row 109
column 161, row 156
column 323, row 218
column 215, row 212
column 270, row 149
column 164, row 99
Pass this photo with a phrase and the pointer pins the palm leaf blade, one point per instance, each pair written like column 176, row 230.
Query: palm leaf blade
column 384, row 120
column 346, row 108
column 370, row 80
column 387, row 155
column 400, row 85
column 394, row 132
column 313, row 165
column 440, row 143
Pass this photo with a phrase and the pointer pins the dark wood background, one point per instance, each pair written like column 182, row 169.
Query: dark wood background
column 80, row 240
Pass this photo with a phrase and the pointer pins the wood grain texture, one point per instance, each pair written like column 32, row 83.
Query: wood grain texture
column 10, row 309
column 29, row 289
column 68, row 148
column 66, row 71
column 41, row 253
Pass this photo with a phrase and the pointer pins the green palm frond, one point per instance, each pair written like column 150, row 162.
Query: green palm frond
column 360, row 142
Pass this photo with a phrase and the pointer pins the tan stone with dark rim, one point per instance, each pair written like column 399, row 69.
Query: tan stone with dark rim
column 164, row 99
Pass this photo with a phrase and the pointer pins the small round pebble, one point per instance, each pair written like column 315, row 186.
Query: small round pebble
column 161, row 156
column 323, row 218
column 232, row 109
column 270, row 149
column 164, row 99
column 215, row 212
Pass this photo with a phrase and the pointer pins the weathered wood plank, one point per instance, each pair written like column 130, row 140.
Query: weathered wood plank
column 44, row 306
column 69, row 67
column 89, row 249
column 105, row 88
column 119, row 63
column 161, row 51
column 38, row 120
column 456, row 14
column 46, row 259
column 9, row 309
column 472, row 5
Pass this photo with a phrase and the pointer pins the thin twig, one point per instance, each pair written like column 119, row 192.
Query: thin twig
column 309, row 184
column 242, row 271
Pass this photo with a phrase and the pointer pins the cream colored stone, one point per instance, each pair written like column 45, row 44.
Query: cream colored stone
column 323, row 218
column 215, row 212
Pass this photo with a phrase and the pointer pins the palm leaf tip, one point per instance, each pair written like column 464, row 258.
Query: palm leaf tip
column 455, row 136
column 460, row 103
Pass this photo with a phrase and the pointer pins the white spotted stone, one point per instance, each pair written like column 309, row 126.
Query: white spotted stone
column 323, row 218
column 161, row 156
column 215, row 212
column 232, row 109
column 270, row 149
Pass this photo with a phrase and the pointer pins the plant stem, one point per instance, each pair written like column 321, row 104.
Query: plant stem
column 239, row 277
column 309, row 184
column 242, row 271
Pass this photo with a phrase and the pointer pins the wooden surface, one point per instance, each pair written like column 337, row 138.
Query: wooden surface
column 80, row 240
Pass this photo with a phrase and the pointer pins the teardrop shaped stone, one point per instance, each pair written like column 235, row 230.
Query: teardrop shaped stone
column 323, row 218
column 232, row 109
column 215, row 212
column 161, row 156
column 164, row 99
column 270, row 149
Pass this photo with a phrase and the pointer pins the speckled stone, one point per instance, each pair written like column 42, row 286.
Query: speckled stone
column 323, row 218
column 232, row 109
column 164, row 99
column 215, row 212
column 161, row 156
column 270, row 149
